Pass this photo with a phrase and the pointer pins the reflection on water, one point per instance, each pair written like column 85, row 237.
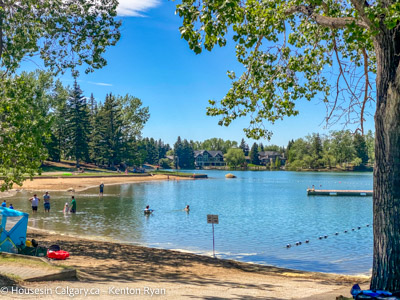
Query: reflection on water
column 259, row 214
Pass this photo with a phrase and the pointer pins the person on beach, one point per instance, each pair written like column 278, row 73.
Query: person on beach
column 4, row 204
column 187, row 209
column 101, row 189
column 35, row 202
column 73, row 205
column 66, row 208
column 11, row 206
column 46, row 199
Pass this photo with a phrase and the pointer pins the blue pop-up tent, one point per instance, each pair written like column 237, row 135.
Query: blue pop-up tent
column 13, row 228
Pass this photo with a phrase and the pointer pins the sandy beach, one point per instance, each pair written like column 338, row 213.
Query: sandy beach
column 113, row 268
column 82, row 183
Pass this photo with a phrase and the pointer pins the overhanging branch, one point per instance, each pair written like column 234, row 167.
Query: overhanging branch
column 326, row 21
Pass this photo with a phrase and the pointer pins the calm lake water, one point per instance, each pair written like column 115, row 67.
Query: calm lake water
column 259, row 214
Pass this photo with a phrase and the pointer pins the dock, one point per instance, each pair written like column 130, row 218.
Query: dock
column 313, row 192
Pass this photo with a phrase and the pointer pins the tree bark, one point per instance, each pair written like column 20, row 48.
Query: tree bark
column 386, row 197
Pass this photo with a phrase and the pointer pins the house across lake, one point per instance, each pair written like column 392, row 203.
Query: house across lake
column 205, row 158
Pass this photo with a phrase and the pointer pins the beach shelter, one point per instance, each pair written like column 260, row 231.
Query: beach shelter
column 13, row 228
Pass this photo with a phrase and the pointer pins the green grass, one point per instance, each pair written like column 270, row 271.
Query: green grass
column 182, row 174
column 25, row 262
column 55, row 169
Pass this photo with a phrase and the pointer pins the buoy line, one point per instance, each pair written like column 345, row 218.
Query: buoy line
column 322, row 237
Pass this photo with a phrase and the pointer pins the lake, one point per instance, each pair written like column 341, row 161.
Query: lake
column 259, row 214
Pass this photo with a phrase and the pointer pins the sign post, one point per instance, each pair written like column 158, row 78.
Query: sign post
column 212, row 219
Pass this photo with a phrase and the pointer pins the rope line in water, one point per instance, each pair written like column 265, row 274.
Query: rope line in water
column 322, row 237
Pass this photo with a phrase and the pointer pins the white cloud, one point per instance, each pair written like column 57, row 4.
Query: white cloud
column 135, row 7
column 100, row 83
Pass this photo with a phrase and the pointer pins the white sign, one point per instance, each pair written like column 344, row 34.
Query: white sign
column 212, row 219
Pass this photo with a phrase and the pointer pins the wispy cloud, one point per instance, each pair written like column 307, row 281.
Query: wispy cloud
column 135, row 7
column 100, row 83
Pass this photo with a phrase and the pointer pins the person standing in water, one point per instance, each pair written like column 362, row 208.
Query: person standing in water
column 35, row 202
column 187, row 209
column 101, row 189
column 73, row 205
column 46, row 200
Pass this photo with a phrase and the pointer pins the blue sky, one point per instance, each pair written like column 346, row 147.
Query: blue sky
column 153, row 63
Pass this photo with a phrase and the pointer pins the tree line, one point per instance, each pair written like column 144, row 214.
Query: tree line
column 75, row 127
column 338, row 149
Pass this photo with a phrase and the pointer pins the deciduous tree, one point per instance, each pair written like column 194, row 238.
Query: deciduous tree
column 287, row 49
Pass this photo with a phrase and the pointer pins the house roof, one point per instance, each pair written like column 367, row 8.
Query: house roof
column 211, row 153
column 269, row 153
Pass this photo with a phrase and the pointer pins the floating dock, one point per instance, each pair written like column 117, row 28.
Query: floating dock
column 312, row 192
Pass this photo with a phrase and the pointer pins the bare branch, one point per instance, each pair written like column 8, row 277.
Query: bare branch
column 366, row 89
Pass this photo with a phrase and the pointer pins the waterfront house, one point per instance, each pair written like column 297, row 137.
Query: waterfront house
column 269, row 157
column 205, row 158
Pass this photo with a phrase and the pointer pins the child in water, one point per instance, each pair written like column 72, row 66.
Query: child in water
column 66, row 208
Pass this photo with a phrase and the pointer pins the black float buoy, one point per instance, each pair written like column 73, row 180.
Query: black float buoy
column 288, row 246
column 345, row 231
column 367, row 225
column 325, row 236
column 352, row 229
column 358, row 227
column 337, row 233
column 307, row 241
column 320, row 237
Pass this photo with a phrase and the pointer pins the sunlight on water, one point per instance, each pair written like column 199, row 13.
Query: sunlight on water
column 259, row 214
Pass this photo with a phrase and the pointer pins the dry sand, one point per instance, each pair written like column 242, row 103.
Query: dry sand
column 110, row 268
column 83, row 183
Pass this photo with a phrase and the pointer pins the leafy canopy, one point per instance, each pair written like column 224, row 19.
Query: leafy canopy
column 290, row 50
column 64, row 33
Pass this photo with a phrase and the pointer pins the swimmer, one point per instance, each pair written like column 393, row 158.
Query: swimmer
column 187, row 208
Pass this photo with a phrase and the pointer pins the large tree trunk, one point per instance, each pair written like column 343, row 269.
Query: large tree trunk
column 386, row 262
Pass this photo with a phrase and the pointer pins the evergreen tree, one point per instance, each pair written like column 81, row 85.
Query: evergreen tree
column 244, row 147
column 317, row 146
column 261, row 147
column 178, row 153
column 78, row 127
column 111, row 125
column 254, row 155
column 360, row 148
column 187, row 161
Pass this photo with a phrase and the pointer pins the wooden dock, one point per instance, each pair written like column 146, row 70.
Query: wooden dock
column 313, row 192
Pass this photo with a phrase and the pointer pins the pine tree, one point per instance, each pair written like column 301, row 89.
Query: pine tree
column 178, row 153
column 111, row 124
column 244, row 147
column 187, row 155
column 78, row 127
column 254, row 155
column 360, row 147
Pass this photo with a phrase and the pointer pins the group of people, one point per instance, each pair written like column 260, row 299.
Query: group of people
column 4, row 204
column 68, row 208
column 46, row 199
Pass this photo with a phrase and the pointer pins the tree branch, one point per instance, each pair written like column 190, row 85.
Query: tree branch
column 360, row 5
column 330, row 22
column 366, row 89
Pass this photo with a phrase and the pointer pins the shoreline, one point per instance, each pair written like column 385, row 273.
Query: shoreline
column 95, row 238
column 187, row 275
column 77, row 184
